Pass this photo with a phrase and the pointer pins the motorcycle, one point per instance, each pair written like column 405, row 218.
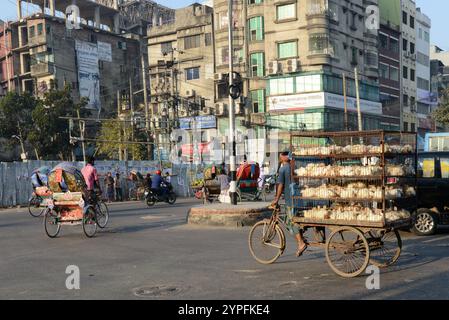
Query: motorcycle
column 269, row 184
column 166, row 195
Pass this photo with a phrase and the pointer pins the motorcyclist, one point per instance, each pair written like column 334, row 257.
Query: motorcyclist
column 156, row 182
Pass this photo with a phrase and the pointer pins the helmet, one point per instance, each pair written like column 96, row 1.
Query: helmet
column 158, row 172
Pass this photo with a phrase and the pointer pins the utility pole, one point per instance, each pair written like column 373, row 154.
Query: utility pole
column 145, row 101
column 131, row 105
column 233, row 184
column 345, row 102
column 357, row 93
column 82, row 126
column 118, row 117
column 5, row 30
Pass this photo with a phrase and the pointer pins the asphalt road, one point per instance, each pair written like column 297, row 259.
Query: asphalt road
column 153, row 254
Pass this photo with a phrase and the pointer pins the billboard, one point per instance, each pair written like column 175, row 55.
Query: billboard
column 88, row 73
column 300, row 102
column 104, row 51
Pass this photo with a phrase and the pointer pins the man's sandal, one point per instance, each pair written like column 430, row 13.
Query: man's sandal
column 299, row 252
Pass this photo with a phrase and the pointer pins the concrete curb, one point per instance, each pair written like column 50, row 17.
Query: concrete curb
column 227, row 216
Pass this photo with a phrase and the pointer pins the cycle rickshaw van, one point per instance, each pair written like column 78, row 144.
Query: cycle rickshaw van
column 70, row 202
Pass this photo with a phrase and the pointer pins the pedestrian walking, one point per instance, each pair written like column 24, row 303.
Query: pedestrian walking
column 118, row 187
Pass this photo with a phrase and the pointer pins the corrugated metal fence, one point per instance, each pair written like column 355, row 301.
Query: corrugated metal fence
column 15, row 184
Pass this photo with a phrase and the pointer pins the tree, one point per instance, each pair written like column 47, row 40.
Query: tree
column 16, row 116
column 441, row 114
column 50, row 134
column 109, row 136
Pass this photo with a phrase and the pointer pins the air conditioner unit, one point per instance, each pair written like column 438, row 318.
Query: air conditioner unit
column 190, row 93
column 218, row 76
column 413, row 56
column 273, row 67
column 292, row 65
column 407, row 54
column 122, row 45
column 219, row 109
column 239, row 108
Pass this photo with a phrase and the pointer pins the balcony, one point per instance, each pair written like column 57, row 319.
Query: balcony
column 317, row 17
column 42, row 69
column 321, row 56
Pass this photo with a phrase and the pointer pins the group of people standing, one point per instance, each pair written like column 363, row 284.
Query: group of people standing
column 113, row 187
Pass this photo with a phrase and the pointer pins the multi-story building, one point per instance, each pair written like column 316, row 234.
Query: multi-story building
column 293, row 56
column 408, row 58
column 390, row 63
column 181, row 63
column 423, row 80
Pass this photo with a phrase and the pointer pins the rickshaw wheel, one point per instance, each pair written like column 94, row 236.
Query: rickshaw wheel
column 90, row 222
column 347, row 252
column 34, row 207
column 102, row 214
column 385, row 247
column 51, row 223
column 266, row 244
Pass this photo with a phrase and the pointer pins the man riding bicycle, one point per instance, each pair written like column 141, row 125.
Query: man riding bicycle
column 92, row 180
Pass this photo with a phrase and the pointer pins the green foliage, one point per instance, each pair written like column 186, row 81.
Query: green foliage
column 109, row 136
column 50, row 134
column 16, row 116
column 441, row 114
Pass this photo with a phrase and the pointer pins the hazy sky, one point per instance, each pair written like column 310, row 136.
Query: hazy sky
column 437, row 10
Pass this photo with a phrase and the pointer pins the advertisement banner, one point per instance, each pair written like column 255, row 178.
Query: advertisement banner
column 299, row 102
column 88, row 73
column 104, row 51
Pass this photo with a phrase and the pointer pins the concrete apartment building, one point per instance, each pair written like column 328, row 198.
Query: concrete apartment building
column 390, row 62
column 423, row 80
column 181, row 64
column 408, row 58
column 293, row 55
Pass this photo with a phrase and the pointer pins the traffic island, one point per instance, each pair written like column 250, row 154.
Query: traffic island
column 227, row 215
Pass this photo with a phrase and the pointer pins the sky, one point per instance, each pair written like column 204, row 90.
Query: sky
column 437, row 10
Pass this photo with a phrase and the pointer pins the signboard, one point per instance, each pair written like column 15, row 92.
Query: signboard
column 88, row 73
column 300, row 102
column 200, row 122
column 104, row 51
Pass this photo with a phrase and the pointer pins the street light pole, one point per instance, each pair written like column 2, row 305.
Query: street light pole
column 233, row 184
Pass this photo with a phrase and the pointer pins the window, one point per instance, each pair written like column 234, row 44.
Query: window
column 420, row 33
column 193, row 73
column 394, row 45
column 405, row 126
column 287, row 49
column 40, row 29
column 282, row 86
column 257, row 63
column 404, row 17
column 423, row 84
column 208, row 39
column 256, row 29
column 286, row 11
column 426, row 36
column 423, row 59
column 354, row 59
column 166, row 47
column 412, row 127
column 405, row 99
column 412, row 74
column 308, row 83
column 318, row 43
column 412, row 22
column 371, row 58
column 412, row 48
column 384, row 71
column 192, row 42
column 383, row 40
column 405, row 72
column 258, row 101
column 255, row 1
column 394, row 73
column 32, row 32
column 404, row 44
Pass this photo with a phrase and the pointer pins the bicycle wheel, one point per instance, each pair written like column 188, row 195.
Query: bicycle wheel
column 347, row 252
column 90, row 222
column 52, row 225
column 102, row 214
column 34, row 207
column 265, row 245
column 385, row 247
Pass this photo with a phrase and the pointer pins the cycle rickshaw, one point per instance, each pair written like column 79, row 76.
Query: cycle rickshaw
column 71, row 203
